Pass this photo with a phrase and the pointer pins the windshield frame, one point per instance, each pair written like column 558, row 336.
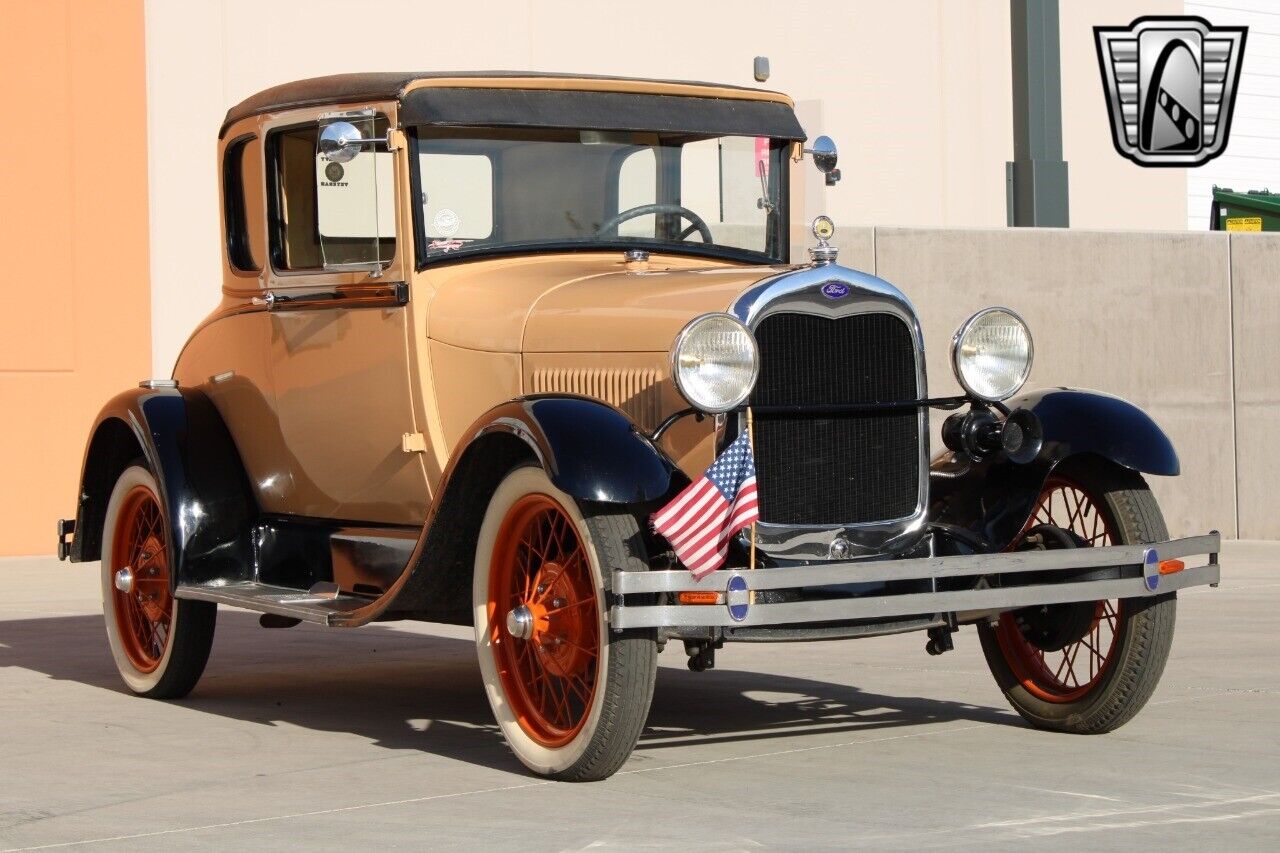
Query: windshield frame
column 781, row 218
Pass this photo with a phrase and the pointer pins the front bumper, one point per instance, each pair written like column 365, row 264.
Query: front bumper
column 979, row 582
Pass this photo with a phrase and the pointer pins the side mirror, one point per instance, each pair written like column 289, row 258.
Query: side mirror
column 824, row 157
column 341, row 141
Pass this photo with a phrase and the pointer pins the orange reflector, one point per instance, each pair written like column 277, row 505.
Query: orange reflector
column 1169, row 567
column 707, row 597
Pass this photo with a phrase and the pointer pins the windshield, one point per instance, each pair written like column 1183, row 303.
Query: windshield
column 492, row 190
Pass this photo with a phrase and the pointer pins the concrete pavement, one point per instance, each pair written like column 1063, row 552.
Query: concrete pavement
column 380, row 737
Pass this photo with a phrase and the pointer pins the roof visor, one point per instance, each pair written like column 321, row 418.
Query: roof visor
column 584, row 110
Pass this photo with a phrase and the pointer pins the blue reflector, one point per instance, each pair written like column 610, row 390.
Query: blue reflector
column 1151, row 569
column 737, row 598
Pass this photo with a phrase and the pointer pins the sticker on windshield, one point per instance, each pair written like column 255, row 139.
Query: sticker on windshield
column 445, row 245
column 446, row 222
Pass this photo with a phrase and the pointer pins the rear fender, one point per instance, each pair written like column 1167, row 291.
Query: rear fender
column 202, row 482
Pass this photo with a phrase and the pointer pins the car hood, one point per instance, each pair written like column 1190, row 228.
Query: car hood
column 579, row 303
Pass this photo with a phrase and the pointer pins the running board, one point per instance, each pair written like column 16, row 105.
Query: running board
column 321, row 605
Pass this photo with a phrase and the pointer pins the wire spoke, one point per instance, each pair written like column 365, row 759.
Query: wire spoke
column 571, row 605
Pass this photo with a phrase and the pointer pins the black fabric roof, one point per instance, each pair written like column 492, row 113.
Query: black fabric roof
column 546, row 108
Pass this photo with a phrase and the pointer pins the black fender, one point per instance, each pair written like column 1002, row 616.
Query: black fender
column 203, row 486
column 994, row 498
column 590, row 450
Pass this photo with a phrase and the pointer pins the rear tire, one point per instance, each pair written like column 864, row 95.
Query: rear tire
column 1127, row 643
column 571, row 697
column 160, row 644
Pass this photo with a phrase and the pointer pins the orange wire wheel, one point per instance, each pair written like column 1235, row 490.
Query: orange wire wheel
column 1060, row 653
column 143, row 605
column 1085, row 667
column 544, row 620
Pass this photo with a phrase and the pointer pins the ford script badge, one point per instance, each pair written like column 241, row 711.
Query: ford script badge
column 835, row 290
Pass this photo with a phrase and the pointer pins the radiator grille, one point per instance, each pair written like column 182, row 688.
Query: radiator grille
column 842, row 469
column 633, row 390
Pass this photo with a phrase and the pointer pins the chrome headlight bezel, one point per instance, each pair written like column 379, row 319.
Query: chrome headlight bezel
column 957, row 341
column 682, row 385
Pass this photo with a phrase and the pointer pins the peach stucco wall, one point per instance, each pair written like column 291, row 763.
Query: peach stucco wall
column 76, row 324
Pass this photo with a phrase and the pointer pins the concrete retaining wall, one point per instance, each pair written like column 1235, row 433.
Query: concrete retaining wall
column 1185, row 325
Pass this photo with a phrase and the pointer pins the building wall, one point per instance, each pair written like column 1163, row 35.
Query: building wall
column 917, row 94
column 1107, row 190
column 1252, row 158
column 76, row 325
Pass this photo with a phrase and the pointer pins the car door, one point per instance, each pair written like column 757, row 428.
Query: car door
column 338, row 350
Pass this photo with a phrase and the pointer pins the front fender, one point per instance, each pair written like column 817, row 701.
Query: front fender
column 995, row 498
column 1089, row 422
column 590, row 450
column 202, row 482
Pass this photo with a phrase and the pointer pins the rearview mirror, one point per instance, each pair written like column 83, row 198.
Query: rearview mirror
column 341, row 141
column 824, row 154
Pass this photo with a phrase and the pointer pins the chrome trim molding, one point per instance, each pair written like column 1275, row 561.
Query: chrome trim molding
column 987, row 599
column 800, row 292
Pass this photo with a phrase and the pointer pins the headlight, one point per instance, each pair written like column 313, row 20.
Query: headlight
column 714, row 362
column 991, row 354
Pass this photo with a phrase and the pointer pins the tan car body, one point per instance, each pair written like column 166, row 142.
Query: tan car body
column 483, row 438
column 354, row 412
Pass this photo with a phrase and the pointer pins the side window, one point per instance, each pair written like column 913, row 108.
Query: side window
column 457, row 195
column 327, row 213
column 242, row 203
column 638, row 185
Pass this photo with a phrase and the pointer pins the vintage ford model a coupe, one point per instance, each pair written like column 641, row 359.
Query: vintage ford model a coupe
column 477, row 329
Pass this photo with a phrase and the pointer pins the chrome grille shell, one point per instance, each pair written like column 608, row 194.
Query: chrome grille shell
column 801, row 292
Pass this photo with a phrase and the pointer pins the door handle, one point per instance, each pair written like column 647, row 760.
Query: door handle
column 268, row 299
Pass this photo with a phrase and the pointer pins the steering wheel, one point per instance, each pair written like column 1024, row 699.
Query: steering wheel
column 696, row 223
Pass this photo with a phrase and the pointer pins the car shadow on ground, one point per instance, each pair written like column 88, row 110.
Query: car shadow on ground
column 412, row 691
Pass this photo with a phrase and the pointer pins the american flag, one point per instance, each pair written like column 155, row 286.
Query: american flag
column 700, row 520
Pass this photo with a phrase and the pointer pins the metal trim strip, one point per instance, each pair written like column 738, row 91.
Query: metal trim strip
column 626, row 583
column 889, row 606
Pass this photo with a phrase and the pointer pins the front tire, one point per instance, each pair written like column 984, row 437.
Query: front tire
column 160, row 644
column 1097, row 682
column 570, row 696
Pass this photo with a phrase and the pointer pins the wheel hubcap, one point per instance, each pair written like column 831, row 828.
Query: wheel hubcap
column 124, row 579
column 520, row 623
column 542, row 592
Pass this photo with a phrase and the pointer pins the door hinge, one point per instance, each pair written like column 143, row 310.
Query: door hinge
column 413, row 442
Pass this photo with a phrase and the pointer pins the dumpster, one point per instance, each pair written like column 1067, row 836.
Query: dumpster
column 1255, row 210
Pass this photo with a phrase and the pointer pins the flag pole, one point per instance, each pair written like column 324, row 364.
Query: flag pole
column 751, row 442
